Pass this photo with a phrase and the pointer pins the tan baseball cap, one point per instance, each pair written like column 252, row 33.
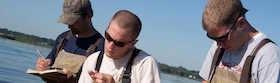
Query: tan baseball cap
column 74, row 9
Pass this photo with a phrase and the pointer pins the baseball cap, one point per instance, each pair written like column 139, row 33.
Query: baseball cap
column 74, row 9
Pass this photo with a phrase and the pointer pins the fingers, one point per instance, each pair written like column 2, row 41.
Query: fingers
column 42, row 64
column 91, row 74
column 101, row 77
column 96, row 79
column 99, row 81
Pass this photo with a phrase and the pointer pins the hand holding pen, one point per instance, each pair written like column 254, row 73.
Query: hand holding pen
column 42, row 63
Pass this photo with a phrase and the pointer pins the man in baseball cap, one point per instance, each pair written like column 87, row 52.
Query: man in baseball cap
column 74, row 45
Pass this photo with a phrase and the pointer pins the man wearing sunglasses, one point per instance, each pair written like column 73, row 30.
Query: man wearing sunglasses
column 121, row 61
column 240, row 53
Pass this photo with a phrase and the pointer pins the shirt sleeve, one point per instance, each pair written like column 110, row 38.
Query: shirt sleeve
column 149, row 71
column 205, row 69
column 269, row 65
column 88, row 65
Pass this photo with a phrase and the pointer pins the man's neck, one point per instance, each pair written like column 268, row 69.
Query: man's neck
column 88, row 33
column 251, row 32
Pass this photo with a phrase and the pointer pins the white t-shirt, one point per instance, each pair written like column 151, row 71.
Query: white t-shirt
column 265, row 66
column 144, row 68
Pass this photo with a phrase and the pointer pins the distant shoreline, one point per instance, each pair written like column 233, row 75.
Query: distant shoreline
column 26, row 38
column 48, row 43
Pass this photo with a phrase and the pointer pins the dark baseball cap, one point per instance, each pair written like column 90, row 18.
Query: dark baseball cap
column 74, row 9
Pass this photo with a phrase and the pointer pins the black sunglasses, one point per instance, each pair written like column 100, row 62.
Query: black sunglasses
column 223, row 37
column 116, row 42
column 219, row 39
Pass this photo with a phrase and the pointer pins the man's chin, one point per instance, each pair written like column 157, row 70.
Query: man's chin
column 74, row 32
column 109, row 54
column 231, row 49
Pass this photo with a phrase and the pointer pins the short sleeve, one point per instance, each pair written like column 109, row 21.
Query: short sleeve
column 205, row 69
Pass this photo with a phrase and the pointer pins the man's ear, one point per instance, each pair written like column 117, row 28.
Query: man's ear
column 134, row 42
column 241, row 23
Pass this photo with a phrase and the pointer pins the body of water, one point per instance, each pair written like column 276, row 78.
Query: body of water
column 16, row 57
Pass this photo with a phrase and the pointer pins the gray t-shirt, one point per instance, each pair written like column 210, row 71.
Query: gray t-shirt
column 265, row 67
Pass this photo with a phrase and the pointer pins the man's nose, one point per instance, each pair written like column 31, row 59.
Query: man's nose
column 111, row 45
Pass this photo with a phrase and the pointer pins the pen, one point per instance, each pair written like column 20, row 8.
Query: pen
column 38, row 51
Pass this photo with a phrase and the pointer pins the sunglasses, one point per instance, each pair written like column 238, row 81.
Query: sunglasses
column 225, row 36
column 219, row 39
column 116, row 42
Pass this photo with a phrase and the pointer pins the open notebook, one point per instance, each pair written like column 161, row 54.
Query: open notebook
column 52, row 74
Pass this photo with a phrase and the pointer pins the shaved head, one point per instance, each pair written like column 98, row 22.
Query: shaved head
column 129, row 21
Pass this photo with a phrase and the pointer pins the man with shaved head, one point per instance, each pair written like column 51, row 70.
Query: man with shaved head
column 121, row 61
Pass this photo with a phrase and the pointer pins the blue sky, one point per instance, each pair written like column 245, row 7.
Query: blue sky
column 172, row 30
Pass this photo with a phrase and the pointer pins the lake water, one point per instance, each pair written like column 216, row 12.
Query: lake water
column 16, row 57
